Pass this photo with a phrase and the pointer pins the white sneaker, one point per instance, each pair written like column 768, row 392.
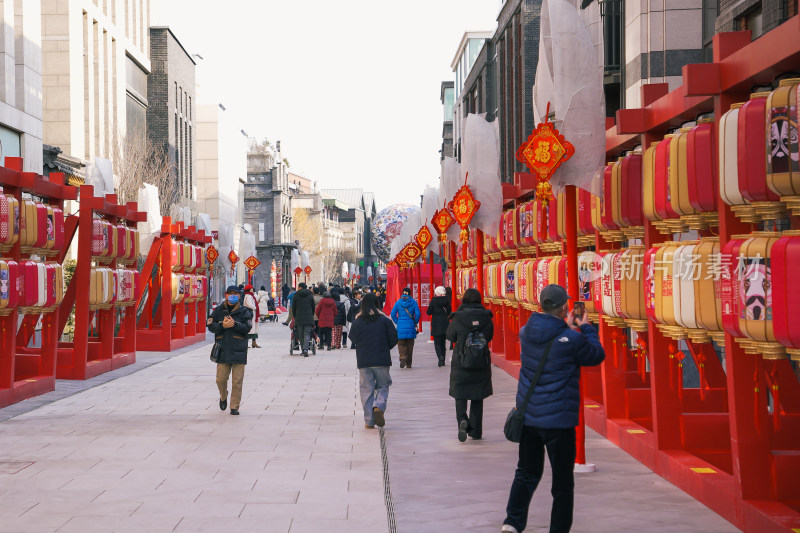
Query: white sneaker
column 508, row 529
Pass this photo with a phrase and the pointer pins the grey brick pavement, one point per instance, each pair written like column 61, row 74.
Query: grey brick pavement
column 146, row 449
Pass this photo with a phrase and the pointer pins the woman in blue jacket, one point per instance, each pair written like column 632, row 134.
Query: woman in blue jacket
column 406, row 315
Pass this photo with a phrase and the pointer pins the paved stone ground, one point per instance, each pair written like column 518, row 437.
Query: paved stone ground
column 150, row 451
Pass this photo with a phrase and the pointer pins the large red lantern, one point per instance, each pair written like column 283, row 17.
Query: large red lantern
column 211, row 255
column 233, row 259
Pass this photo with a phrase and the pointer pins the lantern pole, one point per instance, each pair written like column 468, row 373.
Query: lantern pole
column 454, row 304
column 480, row 259
column 571, row 220
column 419, row 294
column 431, row 284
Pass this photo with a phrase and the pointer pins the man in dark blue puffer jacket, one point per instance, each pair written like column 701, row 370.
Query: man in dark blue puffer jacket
column 552, row 412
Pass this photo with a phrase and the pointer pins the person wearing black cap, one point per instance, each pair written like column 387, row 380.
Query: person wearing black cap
column 230, row 322
column 566, row 343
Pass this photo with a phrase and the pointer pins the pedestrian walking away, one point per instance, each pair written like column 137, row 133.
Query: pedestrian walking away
column 406, row 315
column 562, row 343
column 285, row 291
column 375, row 336
column 471, row 329
column 302, row 312
column 355, row 307
column 230, row 323
column 326, row 314
column 340, row 320
column 262, row 299
column 251, row 303
column 439, row 310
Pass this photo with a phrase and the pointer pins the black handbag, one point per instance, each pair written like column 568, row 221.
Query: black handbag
column 515, row 420
column 216, row 350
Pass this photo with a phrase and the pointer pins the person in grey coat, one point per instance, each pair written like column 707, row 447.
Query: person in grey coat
column 469, row 384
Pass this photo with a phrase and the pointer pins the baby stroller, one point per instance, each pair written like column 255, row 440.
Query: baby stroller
column 294, row 341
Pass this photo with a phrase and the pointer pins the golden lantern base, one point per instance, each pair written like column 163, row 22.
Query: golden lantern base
column 793, row 354
column 509, row 254
column 699, row 336
column 673, row 332
column 586, row 240
column 494, row 256
column 613, row 235
column 634, row 232
column 769, row 210
column 550, row 247
column 747, row 345
column 614, row 321
column 527, row 250
column 792, row 204
column 640, row 326
column 662, row 227
column 746, row 213
column 717, row 336
column 770, row 350
column 696, row 222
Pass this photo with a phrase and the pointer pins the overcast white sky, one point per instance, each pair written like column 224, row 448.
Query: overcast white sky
column 349, row 87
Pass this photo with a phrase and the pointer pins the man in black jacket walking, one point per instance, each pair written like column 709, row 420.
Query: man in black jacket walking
column 551, row 415
column 302, row 312
column 230, row 323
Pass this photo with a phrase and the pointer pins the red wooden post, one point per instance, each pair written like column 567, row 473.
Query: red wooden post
column 419, row 294
column 453, row 272
column 480, row 260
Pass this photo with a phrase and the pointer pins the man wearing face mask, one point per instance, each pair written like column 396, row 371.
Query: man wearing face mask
column 230, row 323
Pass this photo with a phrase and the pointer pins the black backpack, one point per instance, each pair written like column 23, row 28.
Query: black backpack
column 475, row 354
column 351, row 314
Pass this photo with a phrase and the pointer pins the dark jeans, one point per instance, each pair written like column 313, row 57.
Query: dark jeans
column 325, row 337
column 474, row 418
column 560, row 445
column 440, row 345
column 304, row 336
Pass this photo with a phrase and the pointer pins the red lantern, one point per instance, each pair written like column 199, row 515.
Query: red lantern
column 464, row 206
column 631, row 190
column 442, row 220
column 307, row 270
column 702, row 167
column 752, row 150
column 785, row 256
column 543, row 153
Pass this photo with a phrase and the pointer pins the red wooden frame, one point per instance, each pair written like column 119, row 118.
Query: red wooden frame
column 24, row 371
column 164, row 326
column 97, row 347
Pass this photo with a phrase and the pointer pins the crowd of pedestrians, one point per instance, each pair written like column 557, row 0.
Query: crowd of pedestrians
column 554, row 345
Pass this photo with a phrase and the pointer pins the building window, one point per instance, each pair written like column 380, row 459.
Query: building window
column 612, row 13
column 752, row 21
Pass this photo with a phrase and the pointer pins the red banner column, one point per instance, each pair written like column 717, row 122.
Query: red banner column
column 453, row 272
column 479, row 254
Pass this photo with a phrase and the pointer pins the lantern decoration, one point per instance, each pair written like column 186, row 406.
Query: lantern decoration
column 702, row 188
column 233, row 258
column 423, row 237
column 408, row 255
column 251, row 263
column 464, row 206
column 783, row 147
column 752, row 155
column 442, row 220
column 543, row 153
column 273, row 278
column 728, row 163
column 785, row 257
column 307, row 270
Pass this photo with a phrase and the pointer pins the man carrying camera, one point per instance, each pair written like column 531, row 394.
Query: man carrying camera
column 568, row 341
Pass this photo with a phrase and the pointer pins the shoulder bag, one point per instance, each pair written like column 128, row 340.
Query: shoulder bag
column 216, row 350
column 515, row 420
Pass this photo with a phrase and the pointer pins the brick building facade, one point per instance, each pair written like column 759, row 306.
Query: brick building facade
column 171, row 115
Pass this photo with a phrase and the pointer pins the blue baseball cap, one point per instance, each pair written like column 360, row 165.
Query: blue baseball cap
column 232, row 288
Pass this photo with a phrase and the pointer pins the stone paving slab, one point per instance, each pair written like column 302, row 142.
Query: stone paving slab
column 441, row 485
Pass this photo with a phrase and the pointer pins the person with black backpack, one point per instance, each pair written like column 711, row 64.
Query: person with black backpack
column 471, row 329
column 355, row 307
